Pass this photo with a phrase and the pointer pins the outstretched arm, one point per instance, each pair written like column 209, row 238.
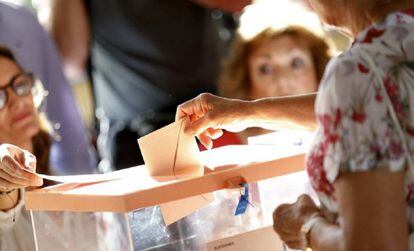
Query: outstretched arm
column 209, row 114
column 291, row 112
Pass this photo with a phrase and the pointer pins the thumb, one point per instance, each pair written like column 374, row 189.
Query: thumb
column 30, row 161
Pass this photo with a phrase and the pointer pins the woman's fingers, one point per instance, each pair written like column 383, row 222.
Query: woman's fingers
column 294, row 244
column 7, row 185
column 209, row 114
column 23, row 157
column 206, row 138
column 305, row 200
column 17, row 167
column 292, row 240
column 14, row 169
column 288, row 219
column 14, row 180
column 198, row 126
column 196, row 106
column 30, row 161
column 16, row 153
column 214, row 133
column 201, row 111
column 205, row 141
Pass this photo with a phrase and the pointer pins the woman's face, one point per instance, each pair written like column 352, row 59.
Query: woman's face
column 18, row 119
column 281, row 67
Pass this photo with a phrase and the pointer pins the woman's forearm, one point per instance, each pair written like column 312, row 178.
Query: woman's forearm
column 292, row 112
column 9, row 201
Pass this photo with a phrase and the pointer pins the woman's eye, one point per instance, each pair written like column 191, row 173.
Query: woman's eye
column 22, row 88
column 265, row 69
column 297, row 63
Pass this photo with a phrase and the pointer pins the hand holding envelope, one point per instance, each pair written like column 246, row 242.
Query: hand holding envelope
column 17, row 167
column 169, row 153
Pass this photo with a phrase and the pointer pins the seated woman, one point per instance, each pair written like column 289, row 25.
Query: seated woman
column 71, row 151
column 22, row 125
column 275, row 62
column 24, row 129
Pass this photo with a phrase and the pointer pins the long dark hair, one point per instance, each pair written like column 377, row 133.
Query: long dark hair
column 41, row 141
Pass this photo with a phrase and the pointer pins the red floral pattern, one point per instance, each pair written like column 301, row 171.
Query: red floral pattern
column 317, row 173
column 372, row 34
column 366, row 129
column 393, row 93
column 409, row 12
column 362, row 68
column 359, row 117
column 379, row 97
column 315, row 168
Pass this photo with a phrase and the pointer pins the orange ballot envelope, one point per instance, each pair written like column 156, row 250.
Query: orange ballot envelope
column 173, row 177
column 171, row 154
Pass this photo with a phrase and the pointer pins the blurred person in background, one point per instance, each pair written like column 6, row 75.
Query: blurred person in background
column 23, row 125
column 25, row 145
column 146, row 57
column 71, row 151
column 284, row 55
column 274, row 63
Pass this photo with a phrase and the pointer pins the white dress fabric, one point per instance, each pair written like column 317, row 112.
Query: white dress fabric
column 355, row 131
column 16, row 235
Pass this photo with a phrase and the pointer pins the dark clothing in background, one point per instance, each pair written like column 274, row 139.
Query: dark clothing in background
column 147, row 57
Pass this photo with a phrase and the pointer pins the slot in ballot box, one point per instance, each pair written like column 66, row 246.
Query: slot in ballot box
column 123, row 213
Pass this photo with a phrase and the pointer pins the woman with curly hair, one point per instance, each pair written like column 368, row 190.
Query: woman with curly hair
column 275, row 62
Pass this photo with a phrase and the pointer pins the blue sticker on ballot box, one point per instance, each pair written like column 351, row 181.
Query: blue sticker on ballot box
column 243, row 201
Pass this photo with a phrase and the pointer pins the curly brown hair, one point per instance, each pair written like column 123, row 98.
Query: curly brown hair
column 41, row 141
column 235, row 79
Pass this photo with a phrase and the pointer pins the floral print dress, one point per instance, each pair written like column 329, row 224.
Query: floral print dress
column 355, row 130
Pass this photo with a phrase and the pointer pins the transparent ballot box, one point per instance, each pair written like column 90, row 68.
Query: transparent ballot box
column 81, row 231
column 129, row 211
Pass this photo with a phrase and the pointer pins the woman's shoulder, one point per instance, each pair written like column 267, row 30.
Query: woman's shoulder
column 387, row 43
column 342, row 73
